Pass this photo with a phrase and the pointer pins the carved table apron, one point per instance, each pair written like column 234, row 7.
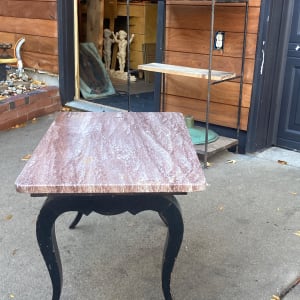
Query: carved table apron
column 110, row 163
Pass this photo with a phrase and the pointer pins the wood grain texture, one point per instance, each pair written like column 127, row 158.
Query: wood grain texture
column 36, row 20
column 94, row 25
column 198, row 17
column 37, row 27
column 221, row 63
column 40, row 61
column 197, row 41
column 255, row 3
column 220, row 114
column 29, row 9
column 87, row 152
column 187, row 44
column 186, row 71
column 39, row 44
column 208, row 3
column 226, row 93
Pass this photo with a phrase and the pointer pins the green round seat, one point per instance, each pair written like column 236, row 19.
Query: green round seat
column 198, row 135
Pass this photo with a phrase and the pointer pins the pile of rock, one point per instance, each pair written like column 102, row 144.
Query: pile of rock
column 16, row 86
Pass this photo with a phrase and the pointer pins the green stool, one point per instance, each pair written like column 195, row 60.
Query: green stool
column 198, row 133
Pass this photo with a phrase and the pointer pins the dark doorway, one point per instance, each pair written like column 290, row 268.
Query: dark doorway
column 67, row 55
column 269, row 106
column 289, row 122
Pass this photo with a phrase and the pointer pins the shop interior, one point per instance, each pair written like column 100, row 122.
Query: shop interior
column 102, row 71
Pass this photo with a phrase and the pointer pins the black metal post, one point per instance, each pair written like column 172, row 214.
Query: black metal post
column 160, row 45
column 242, row 76
column 128, row 54
column 212, row 22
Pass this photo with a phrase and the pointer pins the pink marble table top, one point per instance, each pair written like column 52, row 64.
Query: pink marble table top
column 122, row 152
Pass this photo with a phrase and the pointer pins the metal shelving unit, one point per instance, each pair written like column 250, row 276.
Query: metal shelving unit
column 213, row 77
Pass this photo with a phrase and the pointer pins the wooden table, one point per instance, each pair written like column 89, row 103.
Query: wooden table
column 111, row 163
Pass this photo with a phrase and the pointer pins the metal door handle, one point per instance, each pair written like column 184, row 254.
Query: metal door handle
column 297, row 48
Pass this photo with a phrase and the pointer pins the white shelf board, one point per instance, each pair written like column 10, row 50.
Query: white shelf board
column 187, row 71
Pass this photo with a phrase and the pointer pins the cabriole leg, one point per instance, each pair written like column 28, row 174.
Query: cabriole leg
column 76, row 220
column 45, row 231
column 173, row 219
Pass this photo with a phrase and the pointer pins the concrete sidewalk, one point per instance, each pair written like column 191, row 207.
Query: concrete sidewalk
column 239, row 241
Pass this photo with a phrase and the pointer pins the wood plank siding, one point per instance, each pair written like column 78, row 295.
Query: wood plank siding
column 36, row 20
column 187, row 44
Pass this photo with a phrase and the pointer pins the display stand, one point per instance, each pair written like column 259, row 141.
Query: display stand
column 212, row 76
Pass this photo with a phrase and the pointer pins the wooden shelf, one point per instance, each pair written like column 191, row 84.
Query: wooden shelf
column 221, row 144
column 187, row 71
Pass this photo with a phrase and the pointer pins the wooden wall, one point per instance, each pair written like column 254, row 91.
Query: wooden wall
column 187, row 44
column 36, row 20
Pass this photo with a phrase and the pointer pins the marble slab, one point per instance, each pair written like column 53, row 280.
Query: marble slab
column 117, row 152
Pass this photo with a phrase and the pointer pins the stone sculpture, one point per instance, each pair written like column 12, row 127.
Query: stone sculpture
column 120, row 38
column 107, row 43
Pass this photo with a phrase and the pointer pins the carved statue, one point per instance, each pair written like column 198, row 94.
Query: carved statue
column 108, row 41
column 120, row 38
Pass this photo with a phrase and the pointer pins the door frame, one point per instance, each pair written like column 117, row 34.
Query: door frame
column 271, row 56
column 66, row 50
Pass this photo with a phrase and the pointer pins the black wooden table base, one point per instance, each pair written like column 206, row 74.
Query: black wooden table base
column 56, row 204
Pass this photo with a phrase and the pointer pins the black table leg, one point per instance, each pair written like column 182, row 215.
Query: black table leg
column 55, row 205
column 45, row 232
column 173, row 219
column 76, row 220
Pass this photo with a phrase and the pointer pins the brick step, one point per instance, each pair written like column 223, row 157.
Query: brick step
column 22, row 108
